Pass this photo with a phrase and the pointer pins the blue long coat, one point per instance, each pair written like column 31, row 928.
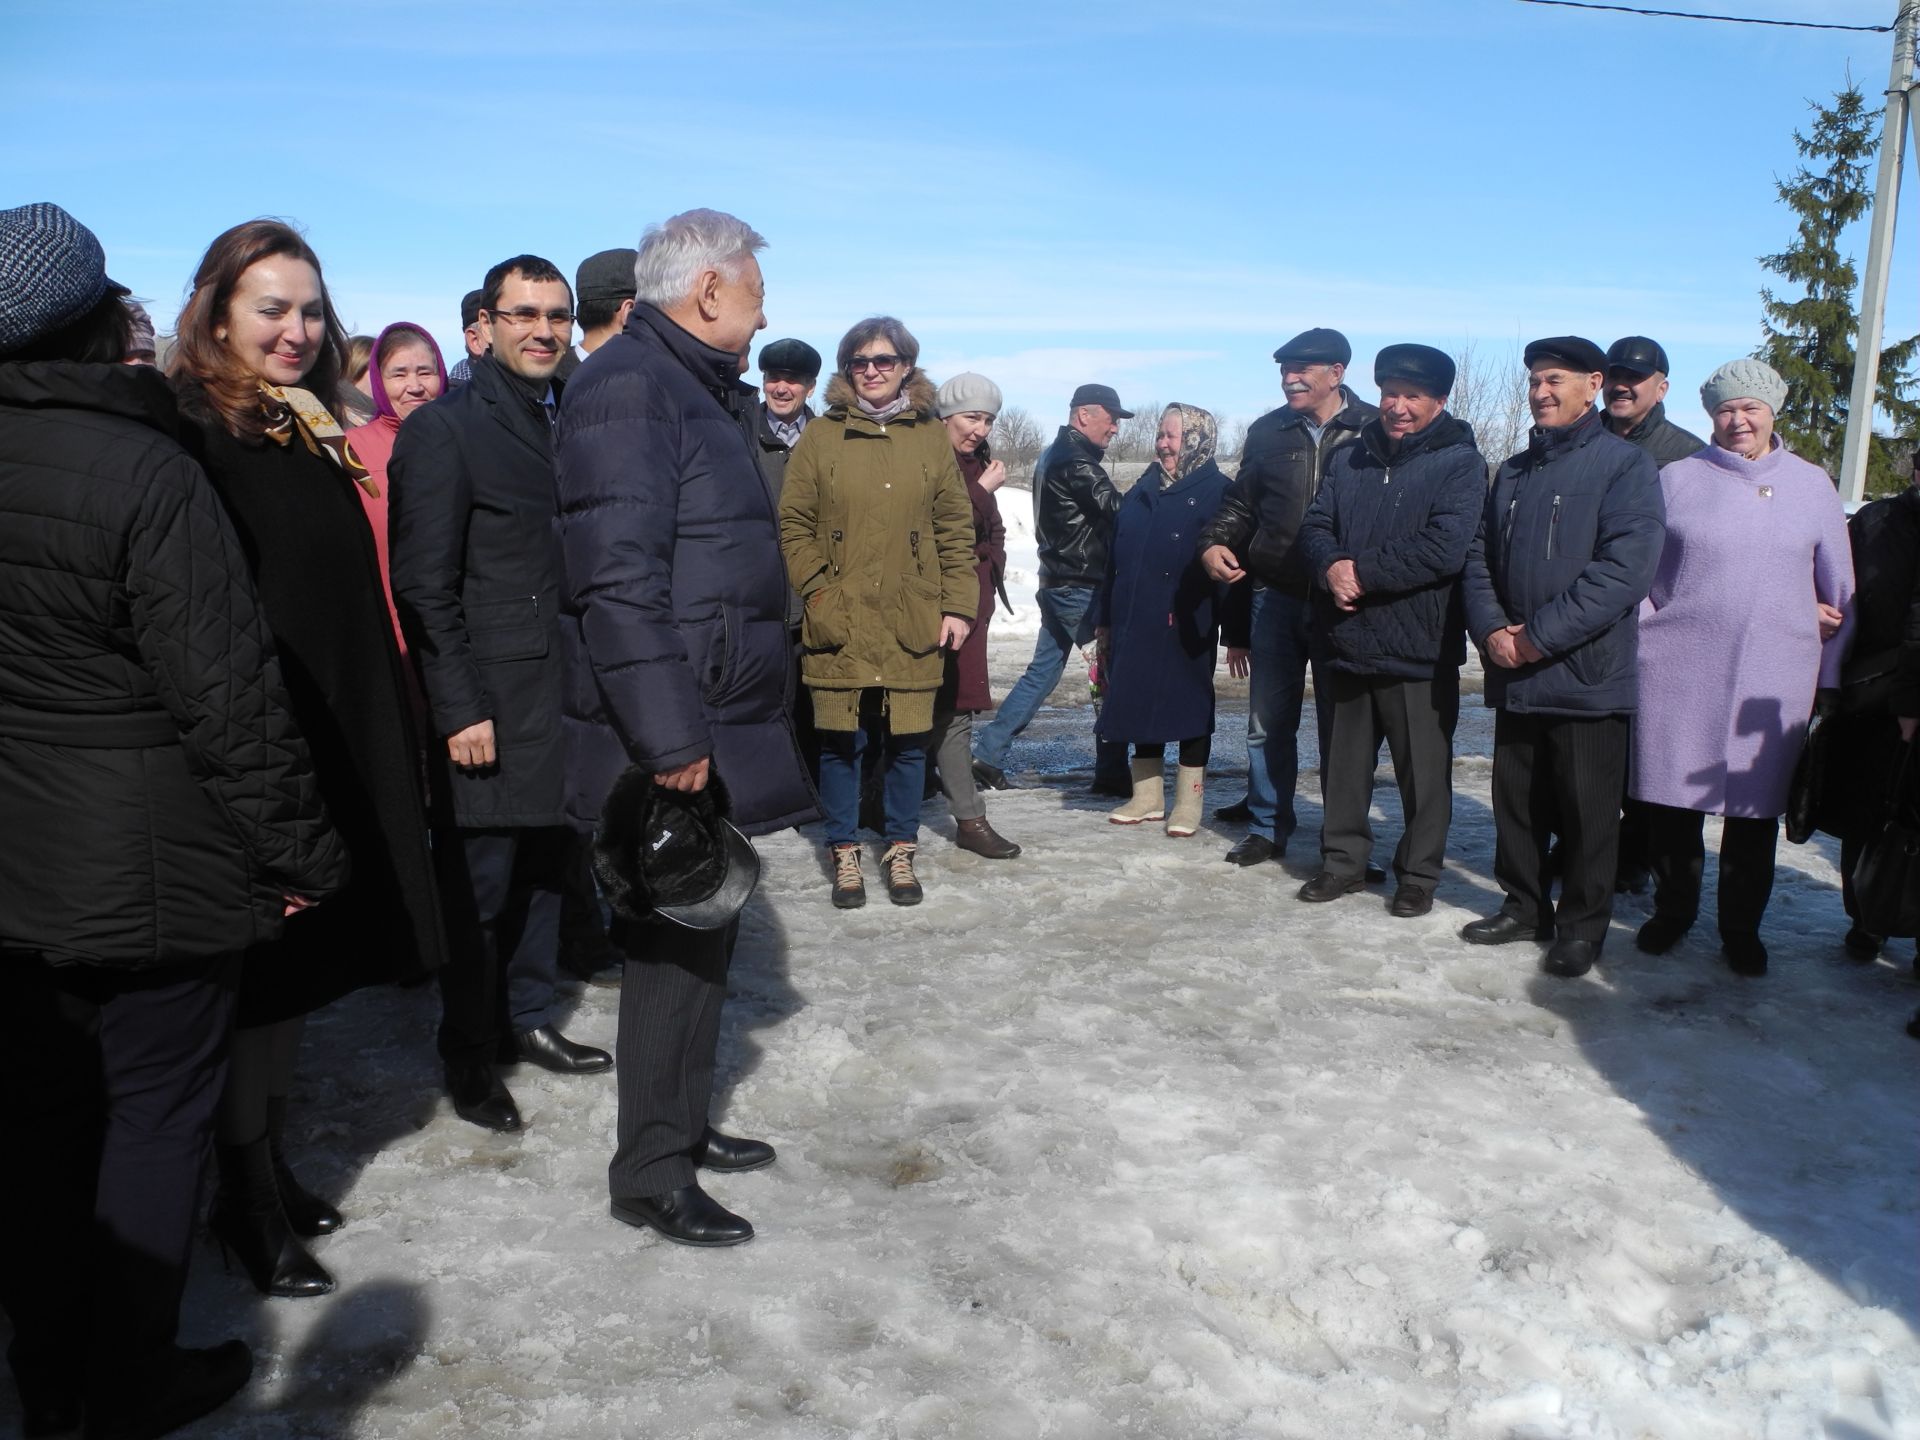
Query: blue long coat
column 1163, row 612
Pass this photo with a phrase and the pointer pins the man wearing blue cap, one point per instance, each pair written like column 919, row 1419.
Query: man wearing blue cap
column 1566, row 551
column 1385, row 540
column 1255, row 532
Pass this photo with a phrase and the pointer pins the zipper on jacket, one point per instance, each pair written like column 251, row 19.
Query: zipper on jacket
column 834, row 559
column 1506, row 531
column 913, row 540
column 1553, row 526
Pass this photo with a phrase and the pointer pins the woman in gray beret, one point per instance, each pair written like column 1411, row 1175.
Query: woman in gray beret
column 1733, row 646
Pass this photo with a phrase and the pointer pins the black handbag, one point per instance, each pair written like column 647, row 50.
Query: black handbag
column 1886, row 877
column 1809, row 784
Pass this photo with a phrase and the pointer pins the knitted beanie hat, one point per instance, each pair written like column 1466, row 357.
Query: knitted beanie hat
column 1744, row 379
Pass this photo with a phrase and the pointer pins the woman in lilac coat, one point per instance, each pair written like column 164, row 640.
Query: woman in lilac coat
column 1733, row 646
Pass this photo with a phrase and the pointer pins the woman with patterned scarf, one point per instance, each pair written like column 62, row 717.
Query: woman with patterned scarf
column 258, row 343
column 1157, row 621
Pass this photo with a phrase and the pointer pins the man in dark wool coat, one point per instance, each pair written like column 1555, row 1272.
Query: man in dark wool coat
column 476, row 578
column 675, row 618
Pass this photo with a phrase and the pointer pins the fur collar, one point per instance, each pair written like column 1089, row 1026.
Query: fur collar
column 842, row 403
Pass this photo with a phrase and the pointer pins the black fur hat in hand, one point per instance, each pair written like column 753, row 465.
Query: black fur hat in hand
column 672, row 853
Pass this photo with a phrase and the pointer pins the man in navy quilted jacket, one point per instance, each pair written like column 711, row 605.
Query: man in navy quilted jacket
column 674, row 612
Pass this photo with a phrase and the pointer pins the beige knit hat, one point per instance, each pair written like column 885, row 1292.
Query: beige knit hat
column 1744, row 379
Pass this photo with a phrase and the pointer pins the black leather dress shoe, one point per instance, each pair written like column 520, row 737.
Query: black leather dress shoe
column 731, row 1152
column 1745, row 954
column 687, row 1216
column 1324, row 887
column 1503, row 929
column 989, row 777
column 1251, row 850
column 1571, row 958
column 480, row 1098
column 1238, row 813
column 1410, row 901
column 1661, row 934
column 550, row 1050
column 1375, row 875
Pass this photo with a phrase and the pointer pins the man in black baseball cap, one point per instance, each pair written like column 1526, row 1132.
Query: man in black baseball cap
column 1074, row 502
column 1566, row 551
column 1255, row 532
column 1635, row 395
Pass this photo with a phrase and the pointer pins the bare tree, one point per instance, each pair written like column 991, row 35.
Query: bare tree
column 1490, row 394
column 1017, row 439
column 1134, row 439
column 1233, row 437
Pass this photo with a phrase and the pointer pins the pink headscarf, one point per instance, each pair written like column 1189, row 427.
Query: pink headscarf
column 413, row 334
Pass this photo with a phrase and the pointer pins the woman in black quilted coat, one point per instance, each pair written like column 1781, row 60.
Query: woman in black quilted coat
column 257, row 348
column 159, row 814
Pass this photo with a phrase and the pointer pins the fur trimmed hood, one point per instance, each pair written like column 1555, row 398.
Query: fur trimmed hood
column 842, row 402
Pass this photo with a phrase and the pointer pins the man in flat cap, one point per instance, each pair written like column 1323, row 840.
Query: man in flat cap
column 789, row 369
column 603, row 298
column 1636, row 412
column 1255, row 532
column 1384, row 542
column 1074, row 502
column 471, row 336
column 1566, row 551
column 1636, row 401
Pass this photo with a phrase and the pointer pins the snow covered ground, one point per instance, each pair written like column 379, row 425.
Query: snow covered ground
column 1117, row 1140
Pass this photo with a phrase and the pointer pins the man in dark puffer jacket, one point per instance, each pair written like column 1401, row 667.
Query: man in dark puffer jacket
column 674, row 606
column 1566, row 551
column 158, row 814
column 1385, row 540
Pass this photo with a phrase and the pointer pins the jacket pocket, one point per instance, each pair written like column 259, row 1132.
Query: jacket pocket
column 916, row 622
column 824, row 621
column 723, row 656
column 500, row 630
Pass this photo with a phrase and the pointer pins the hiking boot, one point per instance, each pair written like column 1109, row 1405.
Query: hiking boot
column 896, row 864
column 849, row 890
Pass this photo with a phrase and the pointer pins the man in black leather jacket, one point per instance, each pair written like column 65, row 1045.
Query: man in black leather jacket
column 1074, row 503
column 1255, row 532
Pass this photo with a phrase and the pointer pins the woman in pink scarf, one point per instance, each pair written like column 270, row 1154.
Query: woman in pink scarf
column 406, row 372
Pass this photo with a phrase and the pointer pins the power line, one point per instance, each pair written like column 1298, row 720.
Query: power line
column 1696, row 15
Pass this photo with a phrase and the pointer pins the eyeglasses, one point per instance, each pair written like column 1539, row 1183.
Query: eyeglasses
column 882, row 363
column 526, row 317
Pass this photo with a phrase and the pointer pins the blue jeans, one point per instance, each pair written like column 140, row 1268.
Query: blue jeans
column 1063, row 625
column 1276, row 691
column 902, row 787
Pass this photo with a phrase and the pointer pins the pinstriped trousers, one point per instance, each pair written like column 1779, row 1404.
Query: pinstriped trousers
column 1558, row 775
column 670, row 998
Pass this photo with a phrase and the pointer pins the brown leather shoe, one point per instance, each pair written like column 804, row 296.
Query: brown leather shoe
column 983, row 840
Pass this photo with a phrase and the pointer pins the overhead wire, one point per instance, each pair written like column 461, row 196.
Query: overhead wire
column 1725, row 19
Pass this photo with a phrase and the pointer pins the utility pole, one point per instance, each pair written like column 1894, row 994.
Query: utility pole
column 1873, row 296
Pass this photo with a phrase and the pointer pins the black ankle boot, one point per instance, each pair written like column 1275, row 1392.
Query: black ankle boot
column 307, row 1213
column 248, row 1221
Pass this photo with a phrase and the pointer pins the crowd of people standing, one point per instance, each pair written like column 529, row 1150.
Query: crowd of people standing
column 331, row 666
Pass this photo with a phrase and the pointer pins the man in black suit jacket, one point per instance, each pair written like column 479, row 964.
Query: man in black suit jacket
column 476, row 578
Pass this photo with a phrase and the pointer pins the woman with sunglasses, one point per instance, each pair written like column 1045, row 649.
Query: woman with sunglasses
column 878, row 536
column 259, row 345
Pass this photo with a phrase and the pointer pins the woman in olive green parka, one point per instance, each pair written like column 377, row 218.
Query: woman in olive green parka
column 878, row 538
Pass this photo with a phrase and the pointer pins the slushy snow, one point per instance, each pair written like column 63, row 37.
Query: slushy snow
column 1115, row 1139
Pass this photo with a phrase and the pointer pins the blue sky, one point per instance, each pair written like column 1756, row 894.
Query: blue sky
column 1149, row 194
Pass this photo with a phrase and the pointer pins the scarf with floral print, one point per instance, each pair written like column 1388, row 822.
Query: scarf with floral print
column 1199, row 438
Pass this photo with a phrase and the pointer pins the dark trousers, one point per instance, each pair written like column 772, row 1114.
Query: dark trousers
column 584, row 947
column 1679, row 855
column 503, row 891
column 1558, row 775
column 113, row 1078
column 670, row 999
column 1416, row 718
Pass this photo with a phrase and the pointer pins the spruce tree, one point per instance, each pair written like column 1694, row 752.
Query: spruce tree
column 1809, row 340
